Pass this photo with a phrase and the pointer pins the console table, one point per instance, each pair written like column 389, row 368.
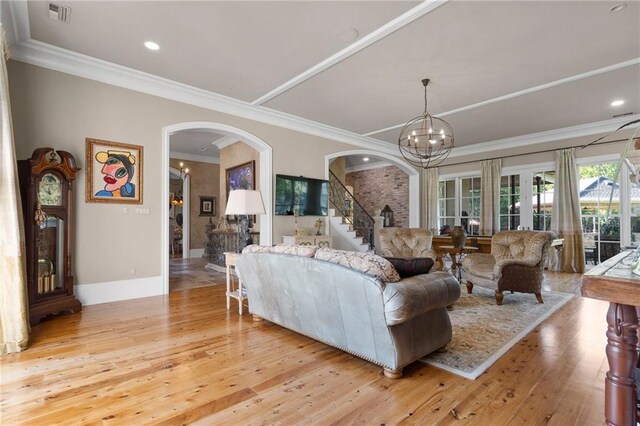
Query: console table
column 614, row 282
column 310, row 240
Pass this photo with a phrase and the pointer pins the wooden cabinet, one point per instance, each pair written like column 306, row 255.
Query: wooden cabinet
column 311, row 240
column 46, row 186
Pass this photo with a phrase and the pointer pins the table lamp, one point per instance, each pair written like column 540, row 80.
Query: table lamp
column 244, row 202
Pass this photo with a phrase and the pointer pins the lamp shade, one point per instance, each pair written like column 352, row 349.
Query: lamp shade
column 244, row 201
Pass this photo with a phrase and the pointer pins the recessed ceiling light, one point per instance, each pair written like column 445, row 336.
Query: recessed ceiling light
column 617, row 103
column 151, row 45
column 365, row 159
column 618, row 7
column 203, row 149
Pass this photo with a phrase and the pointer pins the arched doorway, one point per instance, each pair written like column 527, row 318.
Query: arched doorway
column 265, row 152
column 414, row 177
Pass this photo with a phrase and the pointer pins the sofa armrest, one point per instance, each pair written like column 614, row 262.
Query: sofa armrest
column 414, row 296
column 501, row 264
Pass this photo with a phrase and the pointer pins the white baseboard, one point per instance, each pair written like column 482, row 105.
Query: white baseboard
column 196, row 252
column 92, row 294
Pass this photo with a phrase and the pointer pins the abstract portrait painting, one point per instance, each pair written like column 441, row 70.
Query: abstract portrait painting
column 114, row 172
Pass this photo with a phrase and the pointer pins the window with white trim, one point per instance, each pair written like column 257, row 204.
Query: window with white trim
column 459, row 203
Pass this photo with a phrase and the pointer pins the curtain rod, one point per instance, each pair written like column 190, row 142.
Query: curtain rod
column 536, row 152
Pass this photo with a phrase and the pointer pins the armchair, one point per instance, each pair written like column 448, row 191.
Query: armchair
column 516, row 263
column 407, row 242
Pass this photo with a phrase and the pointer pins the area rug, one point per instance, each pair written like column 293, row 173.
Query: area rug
column 484, row 331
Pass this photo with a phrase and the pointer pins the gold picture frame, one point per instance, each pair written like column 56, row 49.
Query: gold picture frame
column 114, row 172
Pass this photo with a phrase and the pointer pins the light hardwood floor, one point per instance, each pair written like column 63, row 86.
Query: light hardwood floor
column 184, row 359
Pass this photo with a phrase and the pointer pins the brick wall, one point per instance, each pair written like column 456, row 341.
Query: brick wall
column 386, row 185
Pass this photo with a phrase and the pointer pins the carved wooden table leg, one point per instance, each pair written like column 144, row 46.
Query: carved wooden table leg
column 620, row 386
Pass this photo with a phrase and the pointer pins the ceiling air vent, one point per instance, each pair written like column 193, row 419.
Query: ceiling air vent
column 623, row 114
column 58, row 12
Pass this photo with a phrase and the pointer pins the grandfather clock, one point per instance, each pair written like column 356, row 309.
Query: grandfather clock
column 46, row 186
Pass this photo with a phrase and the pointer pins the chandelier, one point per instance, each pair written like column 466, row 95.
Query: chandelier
column 177, row 200
column 426, row 141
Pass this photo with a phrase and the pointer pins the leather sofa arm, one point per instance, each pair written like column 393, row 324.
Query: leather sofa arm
column 414, row 296
column 501, row 264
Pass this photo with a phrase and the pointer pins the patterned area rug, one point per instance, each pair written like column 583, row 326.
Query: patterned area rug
column 483, row 331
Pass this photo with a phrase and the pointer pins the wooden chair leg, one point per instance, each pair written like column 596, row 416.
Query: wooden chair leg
column 499, row 297
column 539, row 297
column 392, row 374
column 469, row 286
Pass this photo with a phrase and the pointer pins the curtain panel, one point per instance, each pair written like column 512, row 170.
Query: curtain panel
column 565, row 215
column 490, row 197
column 430, row 199
column 14, row 322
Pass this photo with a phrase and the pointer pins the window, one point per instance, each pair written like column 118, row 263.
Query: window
column 601, row 233
column 542, row 199
column 447, row 203
column 634, row 214
column 470, row 205
column 509, row 202
column 459, row 202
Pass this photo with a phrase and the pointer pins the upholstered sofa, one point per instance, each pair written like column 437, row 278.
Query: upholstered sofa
column 516, row 263
column 391, row 324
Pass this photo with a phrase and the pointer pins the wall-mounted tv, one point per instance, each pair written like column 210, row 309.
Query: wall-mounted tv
column 302, row 196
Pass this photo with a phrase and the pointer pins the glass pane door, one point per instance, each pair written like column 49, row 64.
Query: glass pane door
column 543, row 184
column 509, row 202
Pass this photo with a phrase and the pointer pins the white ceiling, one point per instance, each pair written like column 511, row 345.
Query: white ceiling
column 195, row 143
column 583, row 56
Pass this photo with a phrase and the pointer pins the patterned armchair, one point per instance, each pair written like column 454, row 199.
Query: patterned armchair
column 516, row 263
column 406, row 242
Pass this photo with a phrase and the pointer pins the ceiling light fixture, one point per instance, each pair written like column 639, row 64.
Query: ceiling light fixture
column 618, row 7
column 426, row 141
column 151, row 45
column 617, row 103
column 365, row 159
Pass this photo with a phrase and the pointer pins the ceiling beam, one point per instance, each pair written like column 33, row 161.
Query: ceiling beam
column 371, row 38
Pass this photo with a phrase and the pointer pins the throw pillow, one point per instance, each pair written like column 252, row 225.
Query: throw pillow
column 410, row 266
column 370, row 264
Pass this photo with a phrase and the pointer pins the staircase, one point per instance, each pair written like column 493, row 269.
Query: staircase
column 345, row 229
column 348, row 217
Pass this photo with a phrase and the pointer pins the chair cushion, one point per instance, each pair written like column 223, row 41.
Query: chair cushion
column 410, row 266
column 370, row 264
column 480, row 264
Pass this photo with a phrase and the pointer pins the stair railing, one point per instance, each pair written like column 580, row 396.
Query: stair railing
column 351, row 210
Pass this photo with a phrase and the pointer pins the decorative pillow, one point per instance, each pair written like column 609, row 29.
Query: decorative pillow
column 302, row 251
column 370, row 264
column 410, row 266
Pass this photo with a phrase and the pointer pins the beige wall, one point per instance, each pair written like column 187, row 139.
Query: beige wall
column 203, row 181
column 59, row 110
column 338, row 166
column 234, row 155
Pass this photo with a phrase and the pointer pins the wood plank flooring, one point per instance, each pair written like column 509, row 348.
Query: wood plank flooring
column 185, row 359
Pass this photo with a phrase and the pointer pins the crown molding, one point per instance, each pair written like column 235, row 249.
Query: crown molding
column 52, row 57
column 365, row 167
column 371, row 38
column 570, row 79
column 226, row 141
column 194, row 157
column 581, row 130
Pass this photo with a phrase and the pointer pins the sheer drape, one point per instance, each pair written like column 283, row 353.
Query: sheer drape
column 14, row 325
column 430, row 199
column 565, row 216
column 490, row 197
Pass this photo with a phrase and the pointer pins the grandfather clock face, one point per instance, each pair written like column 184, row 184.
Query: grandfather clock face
column 50, row 190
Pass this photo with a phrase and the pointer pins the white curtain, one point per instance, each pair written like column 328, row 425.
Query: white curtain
column 14, row 325
column 430, row 199
column 565, row 215
column 490, row 197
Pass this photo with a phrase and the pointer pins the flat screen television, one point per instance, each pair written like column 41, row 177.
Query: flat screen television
column 301, row 195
